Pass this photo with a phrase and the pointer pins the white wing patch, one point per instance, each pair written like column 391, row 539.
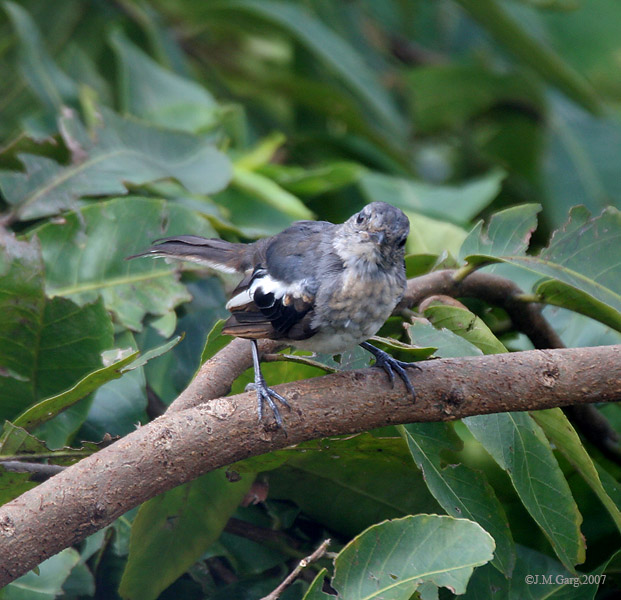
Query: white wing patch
column 268, row 285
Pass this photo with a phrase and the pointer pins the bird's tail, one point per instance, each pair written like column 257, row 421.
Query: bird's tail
column 214, row 253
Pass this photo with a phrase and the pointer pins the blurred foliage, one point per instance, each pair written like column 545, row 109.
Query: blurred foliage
column 125, row 121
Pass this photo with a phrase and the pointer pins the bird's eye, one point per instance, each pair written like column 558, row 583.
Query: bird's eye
column 360, row 219
column 402, row 241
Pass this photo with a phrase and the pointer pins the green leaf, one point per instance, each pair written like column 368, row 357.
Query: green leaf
column 22, row 304
column 215, row 341
column 77, row 266
column 317, row 180
column 151, row 92
column 347, row 470
column 314, row 591
column 448, row 95
column 47, row 582
column 270, row 192
column 518, row 40
column 143, row 359
column 13, row 485
column 47, row 345
column 508, row 233
column 456, row 203
column 465, row 324
column 392, row 559
column 16, row 443
column 561, row 433
column 47, row 409
column 119, row 151
column 519, row 446
column 50, row 407
column 433, row 236
column 446, row 342
column 582, row 261
column 461, row 491
column 332, row 50
column 51, row 85
column 578, row 166
column 173, row 530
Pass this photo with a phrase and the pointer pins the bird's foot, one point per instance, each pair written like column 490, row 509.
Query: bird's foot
column 392, row 365
column 266, row 395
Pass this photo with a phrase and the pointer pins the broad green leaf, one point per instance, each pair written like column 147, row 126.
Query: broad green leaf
column 144, row 358
column 270, row 192
column 567, row 296
column 433, row 236
column 173, row 530
column 581, row 259
column 408, row 351
column 449, row 95
column 518, row 40
column 47, row 582
column 314, row 591
column 13, row 485
column 539, row 577
column 22, row 305
column 317, row 180
column 455, row 203
column 446, row 342
column 519, row 446
column 119, row 151
column 461, row 491
column 561, row 433
column 47, row 345
column 392, row 559
column 260, row 155
column 578, row 166
column 153, row 93
column 348, row 471
column 85, row 255
column 465, row 324
column 50, row 407
column 51, row 85
column 332, row 50
column 215, row 341
column 507, row 233
column 17, row 443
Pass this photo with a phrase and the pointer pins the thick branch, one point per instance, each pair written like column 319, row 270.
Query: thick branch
column 184, row 444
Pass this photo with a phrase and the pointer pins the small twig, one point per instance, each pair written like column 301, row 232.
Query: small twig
column 315, row 556
column 38, row 470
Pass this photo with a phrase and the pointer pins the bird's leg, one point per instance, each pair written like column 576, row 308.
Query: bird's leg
column 264, row 393
column 390, row 365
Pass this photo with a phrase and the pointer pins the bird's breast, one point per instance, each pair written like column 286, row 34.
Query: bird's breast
column 352, row 307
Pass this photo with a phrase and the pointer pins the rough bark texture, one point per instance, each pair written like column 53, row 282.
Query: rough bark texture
column 183, row 444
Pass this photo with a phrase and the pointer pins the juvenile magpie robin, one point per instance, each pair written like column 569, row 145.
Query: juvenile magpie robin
column 316, row 286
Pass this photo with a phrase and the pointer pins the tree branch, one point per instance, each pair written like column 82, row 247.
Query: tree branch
column 183, row 444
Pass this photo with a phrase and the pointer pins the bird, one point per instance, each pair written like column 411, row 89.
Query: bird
column 315, row 286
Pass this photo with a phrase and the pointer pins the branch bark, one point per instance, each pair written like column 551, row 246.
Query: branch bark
column 185, row 443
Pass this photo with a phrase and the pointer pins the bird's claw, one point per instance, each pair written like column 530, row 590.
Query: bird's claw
column 268, row 395
column 390, row 365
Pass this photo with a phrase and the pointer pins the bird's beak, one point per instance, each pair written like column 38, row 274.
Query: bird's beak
column 378, row 237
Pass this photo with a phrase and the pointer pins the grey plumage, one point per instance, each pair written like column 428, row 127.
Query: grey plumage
column 315, row 285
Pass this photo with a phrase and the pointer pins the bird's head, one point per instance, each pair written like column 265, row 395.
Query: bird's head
column 375, row 235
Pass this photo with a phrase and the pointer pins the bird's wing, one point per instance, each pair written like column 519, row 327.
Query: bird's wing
column 276, row 300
